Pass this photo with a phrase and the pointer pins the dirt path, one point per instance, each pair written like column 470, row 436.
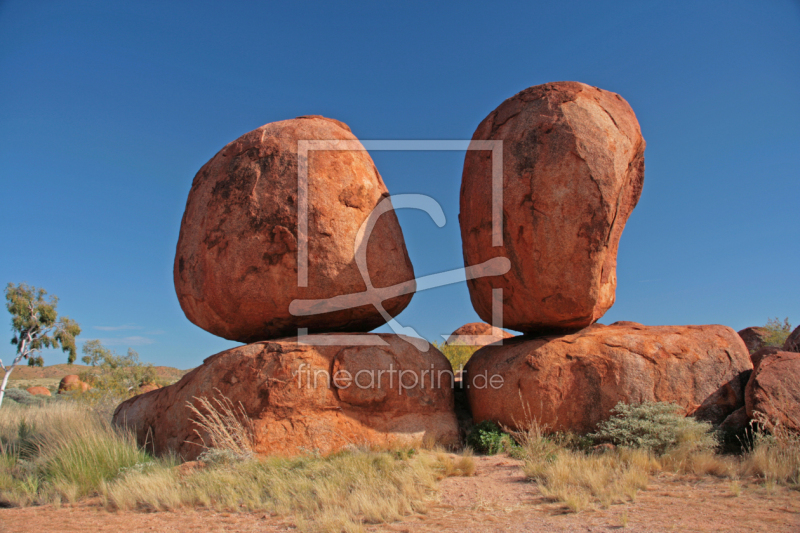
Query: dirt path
column 497, row 498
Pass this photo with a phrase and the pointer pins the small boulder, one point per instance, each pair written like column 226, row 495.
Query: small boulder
column 475, row 333
column 737, row 421
column 573, row 170
column 792, row 343
column 72, row 383
column 236, row 263
column 754, row 337
column 304, row 397
column 774, row 389
column 43, row 391
column 572, row 382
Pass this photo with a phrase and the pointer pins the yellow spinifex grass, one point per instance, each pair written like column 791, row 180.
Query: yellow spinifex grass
column 335, row 493
column 226, row 425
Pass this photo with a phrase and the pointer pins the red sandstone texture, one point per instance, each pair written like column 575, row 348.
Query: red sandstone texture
column 39, row 390
column 236, row 265
column 283, row 387
column 572, row 382
column 792, row 343
column 754, row 337
column 774, row 389
column 573, row 170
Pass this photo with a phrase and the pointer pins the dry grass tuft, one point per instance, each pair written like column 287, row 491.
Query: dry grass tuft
column 450, row 465
column 336, row 493
column 227, row 426
column 60, row 452
column 774, row 456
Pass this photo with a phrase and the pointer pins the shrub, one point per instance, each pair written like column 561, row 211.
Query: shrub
column 457, row 354
column 121, row 375
column 655, row 426
column 23, row 397
column 486, row 437
column 777, row 332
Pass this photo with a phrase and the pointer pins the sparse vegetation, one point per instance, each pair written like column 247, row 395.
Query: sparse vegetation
column 487, row 438
column 643, row 440
column 777, row 332
column 118, row 374
column 655, row 426
column 36, row 325
column 457, row 354
column 59, row 451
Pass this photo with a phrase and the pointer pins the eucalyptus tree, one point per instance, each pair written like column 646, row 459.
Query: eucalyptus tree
column 36, row 325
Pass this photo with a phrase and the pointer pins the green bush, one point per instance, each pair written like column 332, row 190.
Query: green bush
column 118, row 374
column 23, row 397
column 489, row 439
column 778, row 332
column 655, row 426
column 457, row 354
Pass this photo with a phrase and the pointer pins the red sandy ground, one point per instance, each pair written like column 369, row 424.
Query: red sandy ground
column 497, row 498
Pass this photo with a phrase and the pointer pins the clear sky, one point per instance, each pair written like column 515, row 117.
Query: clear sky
column 108, row 109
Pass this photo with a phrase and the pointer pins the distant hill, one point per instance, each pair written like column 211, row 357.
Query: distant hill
column 166, row 373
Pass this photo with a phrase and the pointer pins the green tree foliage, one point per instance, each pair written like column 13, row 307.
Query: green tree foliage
column 120, row 374
column 777, row 332
column 36, row 325
column 457, row 354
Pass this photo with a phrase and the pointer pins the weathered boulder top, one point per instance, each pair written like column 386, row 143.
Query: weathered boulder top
column 572, row 382
column 774, row 389
column 573, row 170
column 304, row 397
column 477, row 333
column 754, row 337
column 239, row 262
column 792, row 343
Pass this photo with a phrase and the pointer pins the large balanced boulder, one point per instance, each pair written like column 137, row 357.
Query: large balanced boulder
column 571, row 382
column 792, row 343
column 305, row 398
column 236, row 265
column 774, row 389
column 573, row 170
column 477, row 333
column 754, row 337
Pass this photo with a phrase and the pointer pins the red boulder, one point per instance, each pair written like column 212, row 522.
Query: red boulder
column 573, row 169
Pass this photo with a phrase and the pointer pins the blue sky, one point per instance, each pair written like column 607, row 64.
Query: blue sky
column 108, row 109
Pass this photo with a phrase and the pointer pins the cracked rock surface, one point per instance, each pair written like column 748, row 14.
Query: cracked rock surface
column 303, row 398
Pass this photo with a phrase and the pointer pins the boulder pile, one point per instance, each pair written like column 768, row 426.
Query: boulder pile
column 572, row 172
column 283, row 247
column 236, row 275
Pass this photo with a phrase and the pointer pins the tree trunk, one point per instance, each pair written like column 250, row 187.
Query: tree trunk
column 5, row 381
